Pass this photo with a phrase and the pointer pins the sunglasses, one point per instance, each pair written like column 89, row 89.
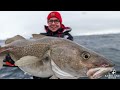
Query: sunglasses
column 55, row 21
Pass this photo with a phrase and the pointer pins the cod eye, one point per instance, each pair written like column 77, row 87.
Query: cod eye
column 85, row 55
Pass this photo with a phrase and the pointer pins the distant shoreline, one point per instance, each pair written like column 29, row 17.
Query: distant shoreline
column 99, row 34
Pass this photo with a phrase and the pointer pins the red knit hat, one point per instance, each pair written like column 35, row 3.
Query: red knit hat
column 55, row 14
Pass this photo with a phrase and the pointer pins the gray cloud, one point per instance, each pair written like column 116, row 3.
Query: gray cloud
column 82, row 22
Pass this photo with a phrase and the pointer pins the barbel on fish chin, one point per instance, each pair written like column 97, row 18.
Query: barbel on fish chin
column 64, row 59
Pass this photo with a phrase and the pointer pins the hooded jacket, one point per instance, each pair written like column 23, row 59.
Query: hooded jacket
column 63, row 32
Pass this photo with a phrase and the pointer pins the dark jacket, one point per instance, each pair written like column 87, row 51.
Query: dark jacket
column 63, row 32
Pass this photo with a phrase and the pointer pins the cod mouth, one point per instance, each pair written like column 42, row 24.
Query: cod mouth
column 96, row 73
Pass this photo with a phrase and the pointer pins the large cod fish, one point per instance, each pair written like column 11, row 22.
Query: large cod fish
column 44, row 56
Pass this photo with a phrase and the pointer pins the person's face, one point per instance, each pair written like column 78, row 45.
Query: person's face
column 53, row 24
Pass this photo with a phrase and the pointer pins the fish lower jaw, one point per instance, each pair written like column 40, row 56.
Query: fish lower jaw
column 96, row 73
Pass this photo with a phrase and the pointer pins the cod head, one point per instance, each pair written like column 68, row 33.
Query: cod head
column 75, row 61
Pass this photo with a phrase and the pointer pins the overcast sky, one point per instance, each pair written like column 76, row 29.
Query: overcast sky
column 26, row 23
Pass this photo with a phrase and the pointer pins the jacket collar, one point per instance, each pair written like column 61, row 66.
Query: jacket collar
column 61, row 30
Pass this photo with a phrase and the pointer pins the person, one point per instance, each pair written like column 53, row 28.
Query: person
column 56, row 28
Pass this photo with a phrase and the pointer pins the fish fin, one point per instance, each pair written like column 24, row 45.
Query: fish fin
column 5, row 49
column 3, row 52
column 37, row 36
column 1, row 60
column 10, row 40
column 54, row 77
column 46, row 58
column 1, row 65
column 34, row 66
column 26, row 60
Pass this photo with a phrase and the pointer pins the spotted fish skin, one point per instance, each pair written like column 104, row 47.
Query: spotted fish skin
column 45, row 56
